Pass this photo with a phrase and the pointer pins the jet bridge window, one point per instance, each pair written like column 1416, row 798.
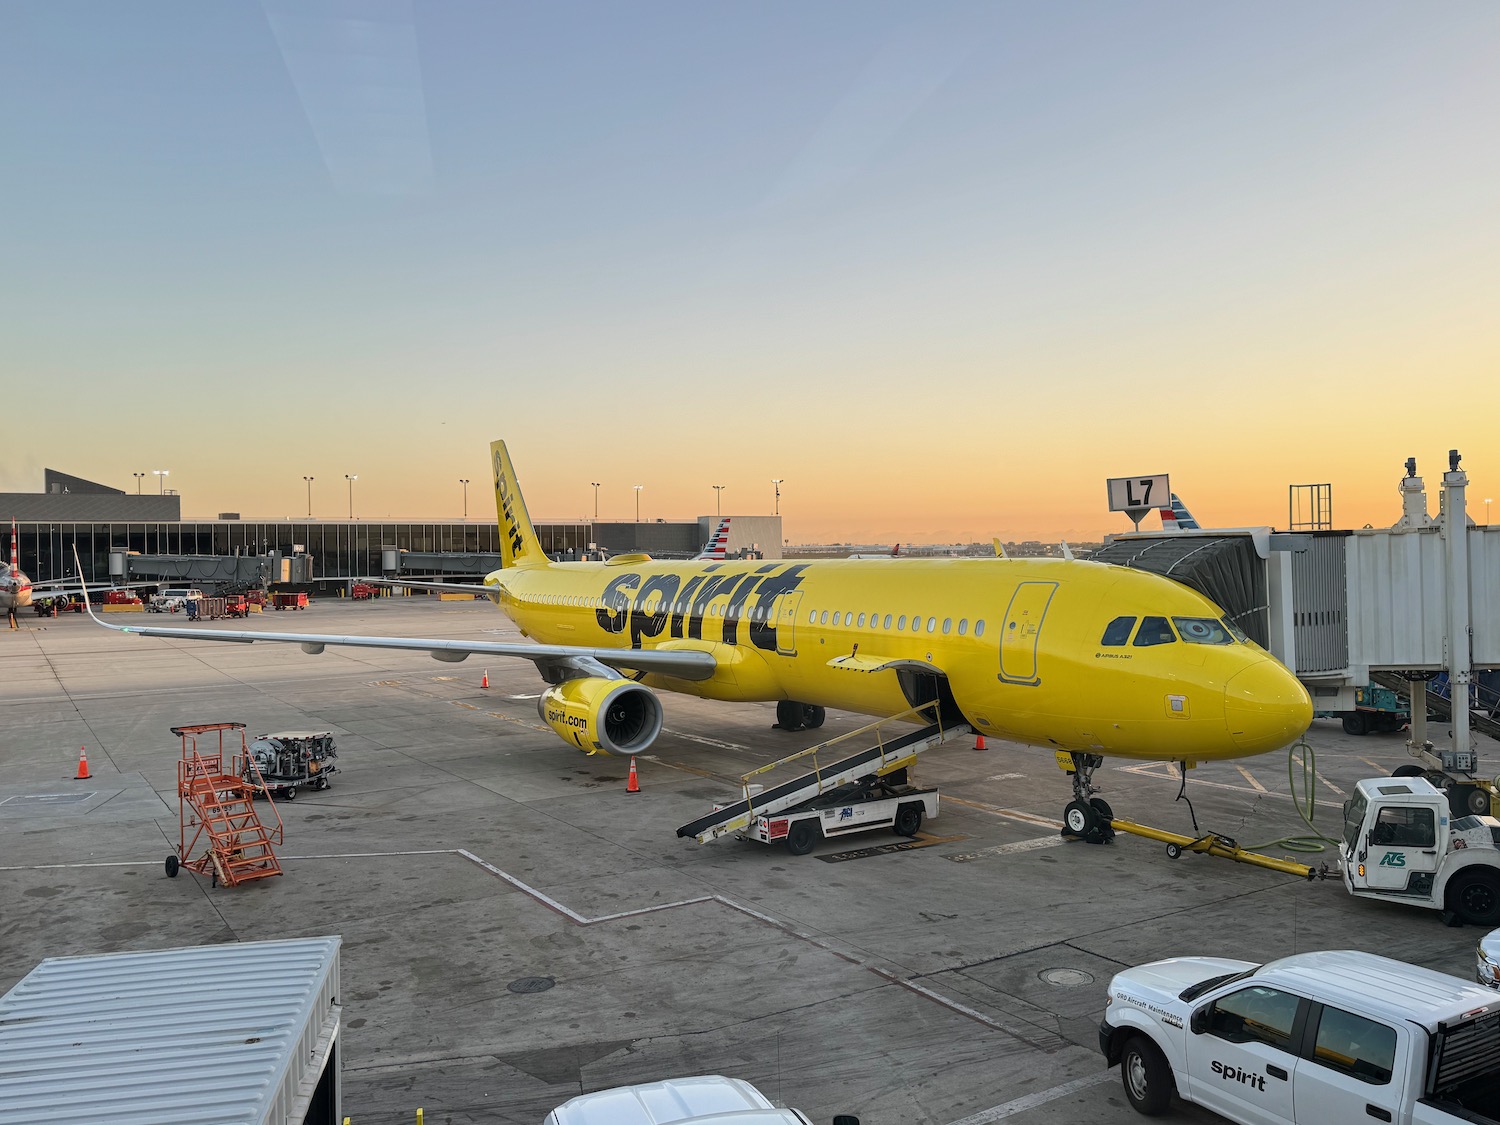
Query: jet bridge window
column 1154, row 631
column 1202, row 631
column 1355, row 1046
column 1117, row 632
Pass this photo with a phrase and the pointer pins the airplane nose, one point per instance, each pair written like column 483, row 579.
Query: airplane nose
column 1266, row 707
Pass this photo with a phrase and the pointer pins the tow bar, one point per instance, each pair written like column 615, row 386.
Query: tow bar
column 1222, row 846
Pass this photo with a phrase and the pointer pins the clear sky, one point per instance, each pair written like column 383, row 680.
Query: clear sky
column 942, row 267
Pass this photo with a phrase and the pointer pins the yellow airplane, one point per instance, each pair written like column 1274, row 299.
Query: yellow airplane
column 1082, row 658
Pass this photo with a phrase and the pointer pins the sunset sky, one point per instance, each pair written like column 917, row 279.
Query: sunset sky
column 942, row 267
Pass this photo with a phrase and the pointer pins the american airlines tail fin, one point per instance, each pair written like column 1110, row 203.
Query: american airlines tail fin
column 519, row 545
column 15, row 560
column 718, row 545
column 1177, row 517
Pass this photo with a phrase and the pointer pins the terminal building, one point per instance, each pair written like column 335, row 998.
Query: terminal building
column 120, row 536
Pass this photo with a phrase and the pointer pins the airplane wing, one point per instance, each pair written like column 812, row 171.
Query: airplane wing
column 681, row 663
column 440, row 587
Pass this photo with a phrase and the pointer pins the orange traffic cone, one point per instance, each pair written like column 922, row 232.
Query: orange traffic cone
column 486, row 681
column 83, row 766
column 634, row 786
column 979, row 742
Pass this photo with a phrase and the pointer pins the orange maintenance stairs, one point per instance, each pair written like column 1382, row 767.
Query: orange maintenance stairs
column 216, row 809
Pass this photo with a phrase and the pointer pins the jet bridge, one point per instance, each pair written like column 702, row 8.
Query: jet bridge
column 885, row 757
column 1336, row 607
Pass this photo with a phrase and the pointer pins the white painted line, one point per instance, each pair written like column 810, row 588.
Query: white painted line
column 1009, row 814
column 1250, row 777
column 1031, row 1101
column 1005, row 777
column 1032, row 845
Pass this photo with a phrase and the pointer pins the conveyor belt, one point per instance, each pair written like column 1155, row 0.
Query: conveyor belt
column 1439, row 705
column 889, row 756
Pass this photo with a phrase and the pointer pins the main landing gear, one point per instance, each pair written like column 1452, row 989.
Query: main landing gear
column 791, row 715
column 1087, row 817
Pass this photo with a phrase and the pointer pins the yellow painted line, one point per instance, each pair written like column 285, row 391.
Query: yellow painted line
column 461, row 703
column 1248, row 776
column 1376, row 766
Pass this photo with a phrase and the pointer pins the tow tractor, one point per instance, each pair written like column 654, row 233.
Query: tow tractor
column 281, row 763
column 1400, row 843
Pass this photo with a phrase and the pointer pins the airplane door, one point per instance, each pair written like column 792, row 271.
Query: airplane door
column 786, row 623
column 1021, row 630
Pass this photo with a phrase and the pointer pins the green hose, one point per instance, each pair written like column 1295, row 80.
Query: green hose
column 1317, row 841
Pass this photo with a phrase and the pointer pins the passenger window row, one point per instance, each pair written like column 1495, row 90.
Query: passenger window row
column 892, row 622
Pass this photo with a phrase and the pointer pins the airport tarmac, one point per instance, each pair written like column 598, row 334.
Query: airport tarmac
column 518, row 929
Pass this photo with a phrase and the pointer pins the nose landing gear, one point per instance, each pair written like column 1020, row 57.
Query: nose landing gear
column 1087, row 817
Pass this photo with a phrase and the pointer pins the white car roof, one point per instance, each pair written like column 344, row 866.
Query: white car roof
column 1379, row 986
column 708, row 1099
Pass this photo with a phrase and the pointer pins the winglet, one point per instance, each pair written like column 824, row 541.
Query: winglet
column 88, row 602
column 519, row 545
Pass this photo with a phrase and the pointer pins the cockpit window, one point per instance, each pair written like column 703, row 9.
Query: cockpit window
column 1117, row 632
column 1154, row 631
column 1235, row 631
column 1202, row 631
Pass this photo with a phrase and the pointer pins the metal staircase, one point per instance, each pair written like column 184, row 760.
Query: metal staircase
column 218, row 808
column 885, row 757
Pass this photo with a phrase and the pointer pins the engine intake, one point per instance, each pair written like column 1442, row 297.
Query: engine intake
column 602, row 716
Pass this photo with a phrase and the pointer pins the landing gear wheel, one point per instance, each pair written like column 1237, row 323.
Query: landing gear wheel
column 1101, row 806
column 1147, row 1076
column 1354, row 723
column 1174, row 851
column 1079, row 819
column 790, row 715
column 172, row 865
column 803, row 837
column 908, row 820
column 813, row 716
column 1475, row 898
column 1407, row 771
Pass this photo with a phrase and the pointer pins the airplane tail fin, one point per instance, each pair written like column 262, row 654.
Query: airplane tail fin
column 15, row 560
column 519, row 545
column 1177, row 517
column 717, row 546
column 896, row 551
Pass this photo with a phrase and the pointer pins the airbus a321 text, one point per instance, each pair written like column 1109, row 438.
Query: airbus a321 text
column 1083, row 657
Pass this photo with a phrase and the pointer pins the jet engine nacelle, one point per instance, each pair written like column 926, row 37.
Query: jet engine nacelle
column 602, row 716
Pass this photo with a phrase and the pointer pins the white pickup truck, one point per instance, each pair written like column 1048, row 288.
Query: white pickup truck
column 1316, row 1038
column 709, row 1099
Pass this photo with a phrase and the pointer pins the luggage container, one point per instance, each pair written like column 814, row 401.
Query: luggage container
column 289, row 761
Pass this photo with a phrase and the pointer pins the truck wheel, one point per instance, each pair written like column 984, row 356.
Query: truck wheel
column 1407, row 771
column 1147, row 1076
column 1476, row 800
column 789, row 715
column 803, row 836
column 1475, row 898
column 908, row 819
column 1353, row 723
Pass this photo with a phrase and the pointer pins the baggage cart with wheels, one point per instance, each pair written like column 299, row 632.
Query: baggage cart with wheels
column 287, row 761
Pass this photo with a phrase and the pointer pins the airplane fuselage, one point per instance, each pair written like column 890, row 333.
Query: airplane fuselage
column 15, row 589
column 1022, row 644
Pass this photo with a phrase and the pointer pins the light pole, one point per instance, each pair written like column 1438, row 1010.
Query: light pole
column 463, row 481
column 778, row 484
column 1487, row 500
column 718, row 495
column 351, row 480
column 638, row 502
column 138, row 477
column 309, row 481
column 161, row 480
column 596, row 497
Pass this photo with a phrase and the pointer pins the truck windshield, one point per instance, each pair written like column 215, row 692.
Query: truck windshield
column 1354, row 816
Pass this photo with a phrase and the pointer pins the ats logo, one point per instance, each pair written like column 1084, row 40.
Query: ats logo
column 1393, row 859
